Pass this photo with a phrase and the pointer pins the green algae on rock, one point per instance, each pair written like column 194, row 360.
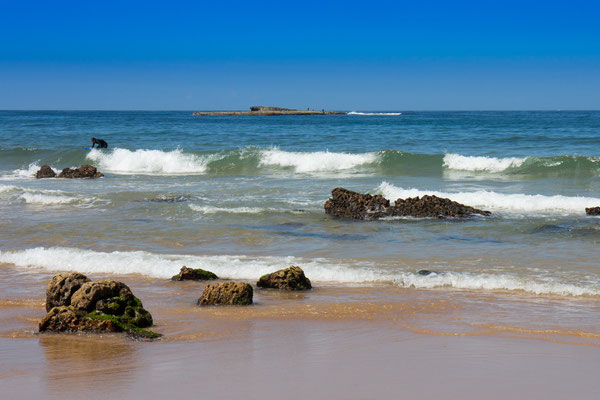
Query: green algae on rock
column 291, row 278
column 194, row 274
column 104, row 306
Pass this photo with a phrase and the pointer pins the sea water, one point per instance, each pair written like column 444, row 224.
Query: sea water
column 243, row 196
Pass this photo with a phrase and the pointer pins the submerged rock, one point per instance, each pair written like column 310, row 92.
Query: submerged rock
column 592, row 211
column 74, row 304
column 61, row 288
column 194, row 274
column 228, row 293
column 85, row 171
column 45, row 172
column 425, row 272
column 348, row 204
column 291, row 278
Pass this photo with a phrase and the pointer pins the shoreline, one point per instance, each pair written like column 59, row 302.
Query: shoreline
column 421, row 343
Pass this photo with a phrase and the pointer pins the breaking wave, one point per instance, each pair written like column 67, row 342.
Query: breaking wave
column 251, row 268
column 501, row 202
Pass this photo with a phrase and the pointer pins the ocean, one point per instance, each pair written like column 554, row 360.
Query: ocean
column 243, row 196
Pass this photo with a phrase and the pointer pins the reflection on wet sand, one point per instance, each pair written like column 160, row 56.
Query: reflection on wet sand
column 76, row 362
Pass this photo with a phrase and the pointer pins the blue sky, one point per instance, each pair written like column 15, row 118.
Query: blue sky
column 427, row 55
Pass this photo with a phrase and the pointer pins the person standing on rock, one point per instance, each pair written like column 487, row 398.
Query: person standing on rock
column 101, row 143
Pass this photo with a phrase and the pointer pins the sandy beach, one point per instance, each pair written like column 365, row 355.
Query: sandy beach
column 331, row 342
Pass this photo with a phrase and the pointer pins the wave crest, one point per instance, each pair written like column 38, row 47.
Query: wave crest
column 516, row 203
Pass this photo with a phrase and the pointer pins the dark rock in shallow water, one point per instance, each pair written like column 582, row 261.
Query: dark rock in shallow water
column 85, row 171
column 61, row 288
column 95, row 306
column 592, row 211
column 45, row 172
column 228, row 293
column 425, row 272
column 194, row 274
column 291, row 278
column 348, row 204
column 433, row 206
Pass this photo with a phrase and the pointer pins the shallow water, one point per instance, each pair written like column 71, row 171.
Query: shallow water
column 245, row 195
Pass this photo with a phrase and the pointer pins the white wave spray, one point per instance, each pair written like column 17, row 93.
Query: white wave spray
column 251, row 268
column 173, row 162
column 315, row 161
column 516, row 203
column 472, row 163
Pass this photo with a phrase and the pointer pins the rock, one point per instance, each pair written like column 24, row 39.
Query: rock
column 433, row 206
column 45, row 172
column 61, row 288
column 74, row 303
column 425, row 272
column 70, row 319
column 85, row 171
column 291, row 278
column 91, row 292
column 231, row 293
column 348, row 204
column 592, row 211
column 194, row 274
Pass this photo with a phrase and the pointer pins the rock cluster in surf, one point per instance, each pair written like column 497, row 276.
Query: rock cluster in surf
column 76, row 304
column 348, row 204
column 85, row 171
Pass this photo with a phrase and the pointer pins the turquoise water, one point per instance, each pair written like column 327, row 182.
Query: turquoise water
column 242, row 195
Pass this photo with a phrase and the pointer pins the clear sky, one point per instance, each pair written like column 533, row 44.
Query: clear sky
column 345, row 55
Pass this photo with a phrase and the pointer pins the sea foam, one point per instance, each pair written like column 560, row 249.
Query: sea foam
column 374, row 113
column 472, row 163
column 251, row 268
column 306, row 162
column 516, row 203
column 173, row 162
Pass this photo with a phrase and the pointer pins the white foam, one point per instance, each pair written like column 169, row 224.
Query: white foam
column 367, row 113
column 47, row 199
column 315, row 161
column 490, row 164
column 251, row 268
column 26, row 173
column 501, row 202
column 165, row 266
column 234, row 210
column 461, row 280
column 11, row 193
column 173, row 162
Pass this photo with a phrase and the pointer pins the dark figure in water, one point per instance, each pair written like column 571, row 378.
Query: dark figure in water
column 101, row 143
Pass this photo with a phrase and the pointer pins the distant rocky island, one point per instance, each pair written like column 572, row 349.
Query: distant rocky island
column 260, row 110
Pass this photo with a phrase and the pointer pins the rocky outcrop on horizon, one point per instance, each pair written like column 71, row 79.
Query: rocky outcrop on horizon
column 291, row 278
column 348, row 204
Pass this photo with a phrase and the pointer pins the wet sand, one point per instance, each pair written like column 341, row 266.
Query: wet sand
column 332, row 342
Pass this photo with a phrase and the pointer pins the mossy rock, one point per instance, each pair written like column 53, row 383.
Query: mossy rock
column 71, row 319
column 104, row 306
column 194, row 274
